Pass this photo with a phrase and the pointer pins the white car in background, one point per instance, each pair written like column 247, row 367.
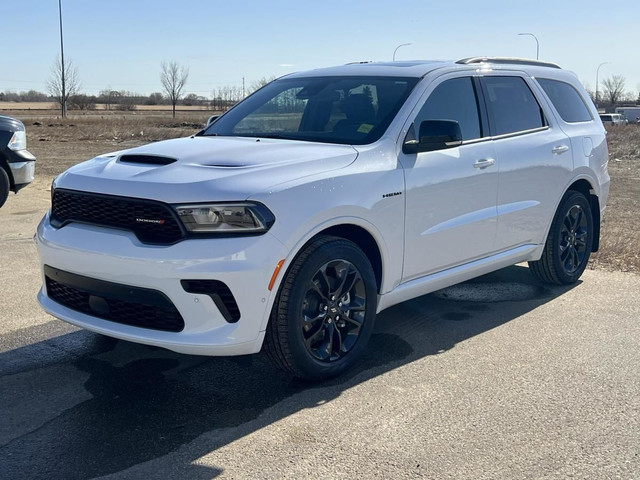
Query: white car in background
column 612, row 119
column 324, row 198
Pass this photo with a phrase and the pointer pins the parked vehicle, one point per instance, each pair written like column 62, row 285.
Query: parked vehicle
column 632, row 113
column 17, row 165
column 324, row 198
column 612, row 119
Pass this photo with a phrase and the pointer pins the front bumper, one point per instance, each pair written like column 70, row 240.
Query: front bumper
column 23, row 167
column 244, row 264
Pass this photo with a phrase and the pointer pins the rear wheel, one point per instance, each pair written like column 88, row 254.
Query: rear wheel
column 4, row 186
column 325, row 311
column 568, row 244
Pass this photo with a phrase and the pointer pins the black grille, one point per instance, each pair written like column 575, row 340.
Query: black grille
column 135, row 306
column 219, row 293
column 152, row 222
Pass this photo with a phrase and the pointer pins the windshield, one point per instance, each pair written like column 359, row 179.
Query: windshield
column 347, row 110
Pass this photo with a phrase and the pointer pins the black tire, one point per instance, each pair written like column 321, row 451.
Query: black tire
column 4, row 186
column 568, row 244
column 325, row 311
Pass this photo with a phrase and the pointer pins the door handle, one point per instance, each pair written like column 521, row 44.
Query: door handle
column 560, row 149
column 484, row 163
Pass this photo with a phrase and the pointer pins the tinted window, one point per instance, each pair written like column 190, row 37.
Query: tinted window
column 348, row 110
column 453, row 100
column 512, row 106
column 566, row 99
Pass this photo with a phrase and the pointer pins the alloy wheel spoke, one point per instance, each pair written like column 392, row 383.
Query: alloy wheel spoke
column 356, row 325
column 574, row 216
column 338, row 345
column 308, row 321
column 329, row 345
column 581, row 237
column 576, row 258
column 356, row 305
column 578, row 219
column 324, row 286
column 315, row 337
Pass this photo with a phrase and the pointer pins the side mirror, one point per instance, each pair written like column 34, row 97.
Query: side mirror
column 212, row 119
column 434, row 135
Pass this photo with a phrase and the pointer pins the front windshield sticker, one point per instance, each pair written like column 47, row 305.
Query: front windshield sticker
column 365, row 128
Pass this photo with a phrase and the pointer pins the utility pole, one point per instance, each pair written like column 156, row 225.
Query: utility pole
column 401, row 45
column 537, row 44
column 242, row 87
column 64, row 89
column 597, row 72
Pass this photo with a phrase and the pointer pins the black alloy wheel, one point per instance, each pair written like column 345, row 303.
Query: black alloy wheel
column 573, row 242
column 568, row 245
column 333, row 310
column 324, row 314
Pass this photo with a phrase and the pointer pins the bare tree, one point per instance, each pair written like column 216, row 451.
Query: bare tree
column 108, row 96
column 63, row 83
column 173, row 78
column 613, row 89
column 260, row 83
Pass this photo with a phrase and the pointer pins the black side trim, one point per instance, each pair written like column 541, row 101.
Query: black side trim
column 219, row 293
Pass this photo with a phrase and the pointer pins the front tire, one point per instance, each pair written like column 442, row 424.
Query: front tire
column 4, row 186
column 325, row 311
column 568, row 244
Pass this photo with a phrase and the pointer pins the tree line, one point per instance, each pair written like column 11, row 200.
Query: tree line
column 64, row 88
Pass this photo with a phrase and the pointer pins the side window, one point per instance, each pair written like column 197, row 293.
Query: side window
column 453, row 99
column 566, row 99
column 512, row 106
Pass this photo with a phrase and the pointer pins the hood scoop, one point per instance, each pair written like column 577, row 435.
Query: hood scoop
column 147, row 159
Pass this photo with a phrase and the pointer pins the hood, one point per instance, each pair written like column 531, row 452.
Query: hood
column 10, row 124
column 197, row 169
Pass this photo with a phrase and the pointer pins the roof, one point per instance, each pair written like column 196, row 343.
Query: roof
column 419, row 68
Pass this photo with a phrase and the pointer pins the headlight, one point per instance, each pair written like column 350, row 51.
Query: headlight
column 226, row 218
column 18, row 141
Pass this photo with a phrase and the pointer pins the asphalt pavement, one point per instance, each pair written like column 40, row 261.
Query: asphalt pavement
column 501, row 377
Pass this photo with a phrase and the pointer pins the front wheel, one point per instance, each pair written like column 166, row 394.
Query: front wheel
column 325, row 310
column 568, row 244
column 4, row 186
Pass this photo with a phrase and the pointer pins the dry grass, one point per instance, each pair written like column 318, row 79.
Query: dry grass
column 101, row 108
column 61, row 144
column 620, row 236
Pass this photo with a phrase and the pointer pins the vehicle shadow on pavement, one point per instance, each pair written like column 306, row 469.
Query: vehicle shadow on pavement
column 81, row 405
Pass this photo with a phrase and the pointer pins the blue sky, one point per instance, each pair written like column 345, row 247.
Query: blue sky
column 121, row 43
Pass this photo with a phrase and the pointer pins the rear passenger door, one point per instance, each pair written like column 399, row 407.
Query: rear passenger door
column 534, row 159
column 450, row 193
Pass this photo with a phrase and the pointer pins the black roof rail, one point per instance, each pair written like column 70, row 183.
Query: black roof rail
column 508, row 61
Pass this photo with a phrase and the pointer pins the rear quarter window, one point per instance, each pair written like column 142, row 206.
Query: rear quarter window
column 566, row 100
column 512, row 106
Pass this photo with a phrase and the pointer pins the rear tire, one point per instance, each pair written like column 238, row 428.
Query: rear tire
column 568, row 244
column 4, row 186
column 325, row 311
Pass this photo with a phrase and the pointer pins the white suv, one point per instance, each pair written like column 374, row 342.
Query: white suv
column 324, row 198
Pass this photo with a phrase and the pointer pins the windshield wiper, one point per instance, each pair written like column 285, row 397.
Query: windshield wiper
column 272, row 135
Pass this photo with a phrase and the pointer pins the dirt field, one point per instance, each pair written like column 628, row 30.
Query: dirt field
column 48, row 108
column 59, row 144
